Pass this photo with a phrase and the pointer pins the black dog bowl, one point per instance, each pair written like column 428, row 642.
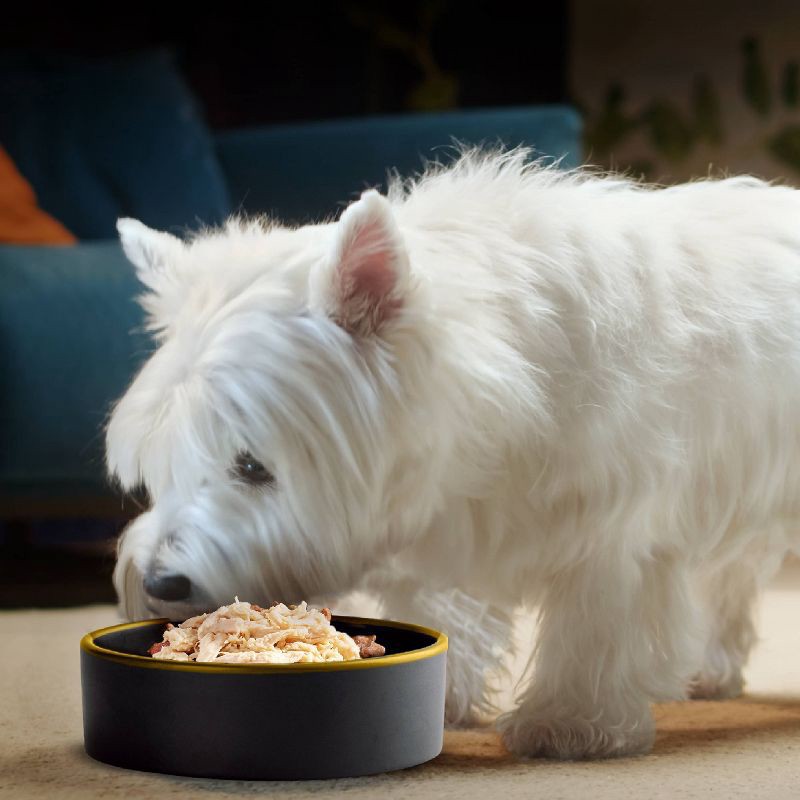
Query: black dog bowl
column 264, row 721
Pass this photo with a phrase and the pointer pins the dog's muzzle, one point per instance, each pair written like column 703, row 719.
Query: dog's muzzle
column 168, row 587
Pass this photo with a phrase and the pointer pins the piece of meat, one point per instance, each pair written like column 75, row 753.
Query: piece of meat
column 326, row 612
column 369, row 647
column 156, row 648
column 210, row 645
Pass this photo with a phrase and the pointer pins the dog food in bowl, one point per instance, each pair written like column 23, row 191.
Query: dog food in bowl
column 260, row 720
column 247, row 633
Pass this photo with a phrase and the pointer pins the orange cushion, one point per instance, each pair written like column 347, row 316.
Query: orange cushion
column 21, row 220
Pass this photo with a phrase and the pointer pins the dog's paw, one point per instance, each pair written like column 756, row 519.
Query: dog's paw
column 572, row 739
column 712, row 687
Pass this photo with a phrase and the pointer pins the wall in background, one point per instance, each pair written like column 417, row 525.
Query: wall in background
column 669, row 88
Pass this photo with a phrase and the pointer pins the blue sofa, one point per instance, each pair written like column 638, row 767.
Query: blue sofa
column 69, row 323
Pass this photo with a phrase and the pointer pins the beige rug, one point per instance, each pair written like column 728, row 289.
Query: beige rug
column 749, row 748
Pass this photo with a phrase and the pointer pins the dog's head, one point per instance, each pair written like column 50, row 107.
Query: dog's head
column 263, row 425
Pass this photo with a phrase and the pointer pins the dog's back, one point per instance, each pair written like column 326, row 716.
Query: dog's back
column 661, row 328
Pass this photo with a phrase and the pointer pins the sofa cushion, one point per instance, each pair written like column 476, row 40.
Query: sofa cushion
column 308, row 171
column 70, row 339
column 100, row 139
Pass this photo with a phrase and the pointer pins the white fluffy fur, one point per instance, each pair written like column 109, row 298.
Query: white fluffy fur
column 519, row 387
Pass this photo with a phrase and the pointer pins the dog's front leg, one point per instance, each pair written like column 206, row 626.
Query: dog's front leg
column 479, row 637
column 612, row 637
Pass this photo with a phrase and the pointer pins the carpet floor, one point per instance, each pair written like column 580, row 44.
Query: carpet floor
column 747, row 748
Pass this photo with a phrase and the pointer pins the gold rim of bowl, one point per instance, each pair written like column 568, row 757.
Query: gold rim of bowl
column 439, row 646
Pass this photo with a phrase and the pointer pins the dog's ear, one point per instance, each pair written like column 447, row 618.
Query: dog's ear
column 363, row 283
column 151, row 252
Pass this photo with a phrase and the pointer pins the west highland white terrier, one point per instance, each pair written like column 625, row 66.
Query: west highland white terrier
column 500, row 386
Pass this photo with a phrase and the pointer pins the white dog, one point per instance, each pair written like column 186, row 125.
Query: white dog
column 501, row 386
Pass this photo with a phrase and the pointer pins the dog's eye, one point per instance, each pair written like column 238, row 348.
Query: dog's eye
column 252, row 471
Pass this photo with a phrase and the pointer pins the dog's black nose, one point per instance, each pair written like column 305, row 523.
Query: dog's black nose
column 168, row 587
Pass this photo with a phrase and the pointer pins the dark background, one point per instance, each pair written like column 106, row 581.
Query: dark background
column 280, row 63
column 321, row 60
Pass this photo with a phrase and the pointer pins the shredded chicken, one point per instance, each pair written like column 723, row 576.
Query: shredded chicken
column 245, row 632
